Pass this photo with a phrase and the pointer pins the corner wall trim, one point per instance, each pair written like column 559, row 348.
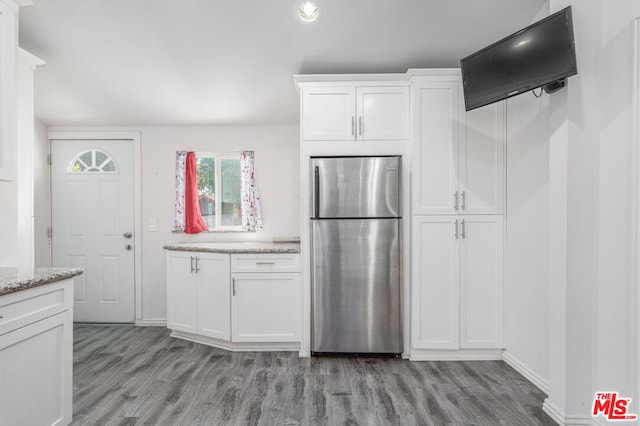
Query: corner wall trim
column 525, row 371
column 562, row 419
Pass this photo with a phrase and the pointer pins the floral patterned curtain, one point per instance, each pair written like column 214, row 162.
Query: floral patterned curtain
column 249, row 196
column 178, row 215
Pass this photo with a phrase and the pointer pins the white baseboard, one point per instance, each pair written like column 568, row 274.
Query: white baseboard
column 237, row 346
column 455, row 355
column 562, row 419
column 151, row 323
column 525, row 371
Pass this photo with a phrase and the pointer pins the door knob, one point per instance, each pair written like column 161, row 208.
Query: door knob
column 127, row 235
column 128, row 247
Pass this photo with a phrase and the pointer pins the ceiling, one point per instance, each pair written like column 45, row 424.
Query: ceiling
column 230, row 62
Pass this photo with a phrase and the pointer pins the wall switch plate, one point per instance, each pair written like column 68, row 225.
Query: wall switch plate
column 153, row 225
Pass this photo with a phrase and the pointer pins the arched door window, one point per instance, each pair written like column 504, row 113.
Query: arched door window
column 93, row 161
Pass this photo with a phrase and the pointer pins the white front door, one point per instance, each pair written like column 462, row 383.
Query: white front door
column 92, row 204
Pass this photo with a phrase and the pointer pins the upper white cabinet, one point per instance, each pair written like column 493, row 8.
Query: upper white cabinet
column 458, row 157
column 8, row 89
column 354, row 112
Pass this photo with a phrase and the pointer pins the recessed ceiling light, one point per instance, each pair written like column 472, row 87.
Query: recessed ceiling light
column 308, row 11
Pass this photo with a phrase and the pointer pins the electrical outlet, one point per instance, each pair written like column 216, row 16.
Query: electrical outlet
column 153, row 225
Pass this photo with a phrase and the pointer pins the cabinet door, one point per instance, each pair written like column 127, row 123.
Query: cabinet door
column 36, row 372
column 434, row 283
column 482, row 161
column 435, row 168
column 181, row 292
column 329, row 113
column 266, row 307
column 481, row 282
column 213, row 305
column 382, row 113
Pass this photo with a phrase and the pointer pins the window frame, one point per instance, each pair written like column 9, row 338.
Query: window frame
column 219, row 156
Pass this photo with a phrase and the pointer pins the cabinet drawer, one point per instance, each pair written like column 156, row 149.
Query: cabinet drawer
column 27, row 306
column 265, row 263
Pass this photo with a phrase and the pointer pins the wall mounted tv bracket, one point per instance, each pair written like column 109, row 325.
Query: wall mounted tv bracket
column 555, row 86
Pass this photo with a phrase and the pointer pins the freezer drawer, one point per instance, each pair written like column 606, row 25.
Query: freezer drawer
column 356, row 282
column 355, row 187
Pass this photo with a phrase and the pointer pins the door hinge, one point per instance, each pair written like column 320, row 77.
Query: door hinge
column 49, row 159
column 50, row 232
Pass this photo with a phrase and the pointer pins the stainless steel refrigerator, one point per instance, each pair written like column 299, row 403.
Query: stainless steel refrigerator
column 356, row 229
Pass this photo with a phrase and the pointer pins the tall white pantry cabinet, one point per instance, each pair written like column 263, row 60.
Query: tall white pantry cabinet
column 457, row 223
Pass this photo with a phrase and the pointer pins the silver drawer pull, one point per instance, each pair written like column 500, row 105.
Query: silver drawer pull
column 265, row 263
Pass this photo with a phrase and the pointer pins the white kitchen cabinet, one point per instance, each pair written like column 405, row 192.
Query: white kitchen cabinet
column 266, row 307
column 8, row 89
column 458, row 157
column 457, row 282
column 353, row 112
column 237, row 302
column 36, row 355
column 198, row 293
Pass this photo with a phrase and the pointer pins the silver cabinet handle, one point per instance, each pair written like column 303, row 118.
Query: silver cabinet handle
column 455, row 201
column 192, row 264
column 456, row 230
column 197, row 269
column 464, row 198
column 265, row 263
column 360, row 125
column 233, row 286
column 353, row 126
column 127, row 235
column 464, row 231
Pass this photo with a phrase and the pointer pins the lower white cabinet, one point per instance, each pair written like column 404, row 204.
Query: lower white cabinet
column 457, row 282
column 36, row 357
column 231, row 301
column 198, row 293
column 266, row 307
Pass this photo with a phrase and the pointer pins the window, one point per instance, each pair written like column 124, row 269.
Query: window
column 219, row 190
column 92, row 161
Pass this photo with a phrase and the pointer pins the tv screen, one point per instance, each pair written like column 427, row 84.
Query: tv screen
column 541, row 55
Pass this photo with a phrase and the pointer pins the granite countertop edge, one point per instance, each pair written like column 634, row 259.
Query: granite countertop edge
column 18, row 279
column 231, row 248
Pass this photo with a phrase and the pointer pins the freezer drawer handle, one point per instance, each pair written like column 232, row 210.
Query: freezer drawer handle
column 265, row 263
column 316, row 201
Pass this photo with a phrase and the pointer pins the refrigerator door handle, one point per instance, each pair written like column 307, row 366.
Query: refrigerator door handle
column 316, row 193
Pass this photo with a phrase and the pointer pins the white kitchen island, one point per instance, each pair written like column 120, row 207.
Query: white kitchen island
column 36, row 345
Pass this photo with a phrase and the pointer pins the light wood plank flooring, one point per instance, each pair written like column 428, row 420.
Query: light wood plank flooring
column 125, row 375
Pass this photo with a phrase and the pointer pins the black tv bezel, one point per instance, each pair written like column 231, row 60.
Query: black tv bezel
column 556, row 81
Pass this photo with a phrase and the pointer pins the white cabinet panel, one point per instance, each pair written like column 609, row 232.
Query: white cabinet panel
column 435, row 168
column 328, row 113
column 383, row 113
column 351, row 112
column 213, row 294
column 434, row 322
column 181, row 292
column 266, row 307
column 482, row 165
column 457, row 282
column 36, row 372
column 481, row 282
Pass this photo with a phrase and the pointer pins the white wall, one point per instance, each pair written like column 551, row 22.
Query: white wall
column 42, row 196
column 277, row 167
column 527, row 224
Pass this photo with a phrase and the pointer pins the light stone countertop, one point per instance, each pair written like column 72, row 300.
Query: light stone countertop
column 236, row 248
column 16, row 279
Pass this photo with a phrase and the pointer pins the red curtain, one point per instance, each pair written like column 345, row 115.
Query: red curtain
column 193, row 222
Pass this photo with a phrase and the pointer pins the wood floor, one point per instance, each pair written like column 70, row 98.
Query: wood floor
column 125, row 375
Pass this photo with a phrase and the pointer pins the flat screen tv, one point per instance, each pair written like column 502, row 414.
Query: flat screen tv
column 541, row 55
